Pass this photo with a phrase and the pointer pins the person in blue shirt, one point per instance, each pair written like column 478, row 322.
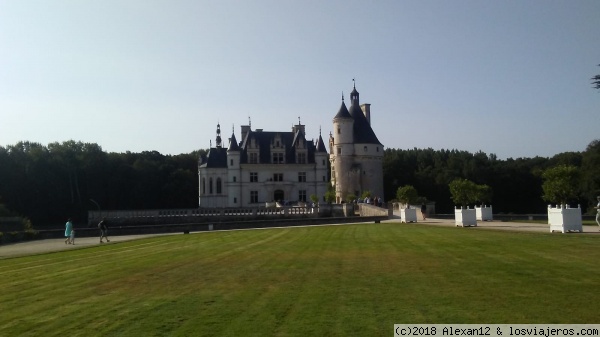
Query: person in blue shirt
column 598, row 211
column 68, row 230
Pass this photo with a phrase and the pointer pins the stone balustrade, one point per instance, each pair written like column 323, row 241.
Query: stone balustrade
column 214, row 214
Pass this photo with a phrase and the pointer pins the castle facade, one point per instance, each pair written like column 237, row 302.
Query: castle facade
column 283, row 166
column 264, row 167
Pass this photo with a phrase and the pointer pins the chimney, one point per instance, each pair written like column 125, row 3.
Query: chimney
column 366, row 109
column 245, row 130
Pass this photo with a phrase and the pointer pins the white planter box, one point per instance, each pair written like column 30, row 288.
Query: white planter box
column 484, row 213
column 465, row 217
column 408, row 215
column 565, row 219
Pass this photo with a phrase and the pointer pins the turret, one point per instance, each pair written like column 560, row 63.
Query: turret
column 234, row 153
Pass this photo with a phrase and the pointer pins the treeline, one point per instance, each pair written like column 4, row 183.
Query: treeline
column 516, row 184
column 47, row 184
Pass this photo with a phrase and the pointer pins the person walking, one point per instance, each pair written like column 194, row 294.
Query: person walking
column 424, row 211
column 103, row 230
column 598, row 211
column 68, row 231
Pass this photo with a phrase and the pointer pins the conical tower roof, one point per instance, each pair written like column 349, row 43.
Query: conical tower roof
column 233, row 144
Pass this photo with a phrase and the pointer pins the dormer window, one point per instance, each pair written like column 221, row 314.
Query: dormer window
column 278, row 158
column 253, row 158
column 301, row 158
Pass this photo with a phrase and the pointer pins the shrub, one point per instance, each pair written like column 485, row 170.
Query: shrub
column 12, row 236
column 30, row 235
column 561, row 184
column 407, row 194
column 464, row 192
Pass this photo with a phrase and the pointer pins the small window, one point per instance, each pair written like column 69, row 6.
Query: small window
column 210, row 186
column 253, row 197
column 339, row 131
column 378, row 149
column 235, row 200
column 231, row 162
column 301, row 177
column 365, row 148
column 253, row 177
column 277, row 176
column 324, row 178
column 219, row 186
column 277, row 158
column 339, row 150
column 301, row 158
column 302, row 195
column 253, row 158
column 234, row 179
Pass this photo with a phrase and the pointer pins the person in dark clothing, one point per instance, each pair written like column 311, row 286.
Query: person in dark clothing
column 424, row 211
column 103, row 230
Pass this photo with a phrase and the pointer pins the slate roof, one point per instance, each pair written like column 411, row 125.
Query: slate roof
column 321, row 145
column 363, row 133
column 343, row 112
column 233, row 145
column 264, row 139
column 215, row 158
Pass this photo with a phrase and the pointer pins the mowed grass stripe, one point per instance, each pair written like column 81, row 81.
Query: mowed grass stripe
column 335, row 280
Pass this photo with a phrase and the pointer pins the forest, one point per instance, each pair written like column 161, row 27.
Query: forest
column 48, row 184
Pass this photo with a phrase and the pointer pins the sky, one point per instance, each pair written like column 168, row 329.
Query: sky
column 510, row 78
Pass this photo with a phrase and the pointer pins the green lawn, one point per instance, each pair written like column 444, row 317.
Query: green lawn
column 354, row 280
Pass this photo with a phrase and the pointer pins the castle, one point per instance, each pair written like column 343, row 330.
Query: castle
column 356, row 155
column 281, row 166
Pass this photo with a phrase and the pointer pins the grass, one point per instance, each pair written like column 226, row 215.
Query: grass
column 354, row 280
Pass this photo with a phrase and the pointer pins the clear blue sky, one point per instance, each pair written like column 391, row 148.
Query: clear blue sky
column 505, row 77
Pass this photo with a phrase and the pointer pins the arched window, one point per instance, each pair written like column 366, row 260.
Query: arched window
column 210, row 186
column 218, row 185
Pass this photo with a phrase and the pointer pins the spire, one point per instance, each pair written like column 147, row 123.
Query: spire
column 218, row 135
column 233, row 144
column 354, row 94
column 320, row 143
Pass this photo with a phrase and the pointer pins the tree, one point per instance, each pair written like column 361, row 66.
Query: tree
column 590, row 183
column 463, row 191
column 596, row 81
column 330, row 194
column 561, row 184
column 407, row 194
column 483, row 194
